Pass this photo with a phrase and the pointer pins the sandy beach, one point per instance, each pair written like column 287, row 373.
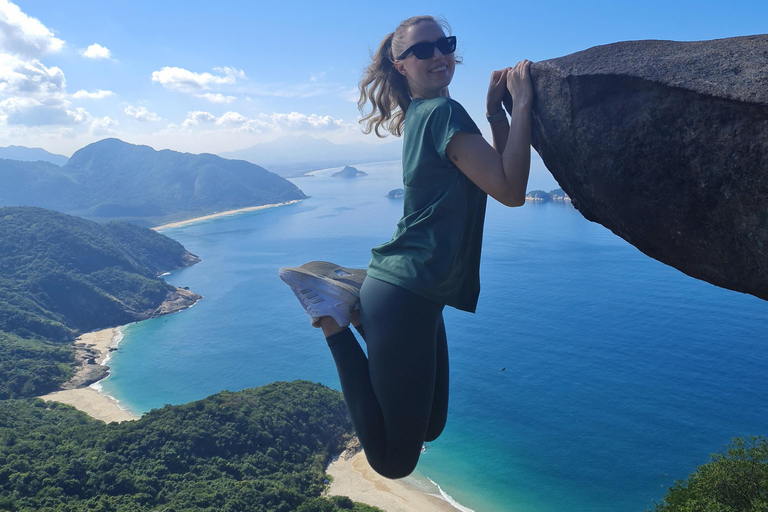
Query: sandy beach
column 96, row 345
column 222, row 214
column 354, row 477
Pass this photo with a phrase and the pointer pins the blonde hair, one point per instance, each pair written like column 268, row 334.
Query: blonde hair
column 384, row 87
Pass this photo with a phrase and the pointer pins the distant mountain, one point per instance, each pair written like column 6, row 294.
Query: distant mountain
column 25, row 154
column 349, row 172
column 291, row 156
column 112, row 179
column 36, row 184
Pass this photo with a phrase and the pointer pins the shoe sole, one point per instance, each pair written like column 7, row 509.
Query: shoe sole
column 350, row 276
column 313, row 290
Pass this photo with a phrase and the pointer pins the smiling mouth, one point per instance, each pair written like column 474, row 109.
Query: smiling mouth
column 438, row 69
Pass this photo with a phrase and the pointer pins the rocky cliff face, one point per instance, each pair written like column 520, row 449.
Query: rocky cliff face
column 666, row 144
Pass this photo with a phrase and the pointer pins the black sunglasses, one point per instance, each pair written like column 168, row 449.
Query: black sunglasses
column 426, row 50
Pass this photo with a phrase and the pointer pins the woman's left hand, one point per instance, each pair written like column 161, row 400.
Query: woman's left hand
column 496, row 90
column 519, row 84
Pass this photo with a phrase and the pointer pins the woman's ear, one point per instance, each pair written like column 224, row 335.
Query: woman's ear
column 400, row 67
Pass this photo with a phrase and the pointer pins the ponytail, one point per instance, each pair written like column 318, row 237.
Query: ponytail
column 387, row 90
column 384, row 87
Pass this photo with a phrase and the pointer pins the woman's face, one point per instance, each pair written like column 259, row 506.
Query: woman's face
column 428, row 78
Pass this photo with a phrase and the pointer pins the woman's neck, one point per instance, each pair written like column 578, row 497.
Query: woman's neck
column 422, row 96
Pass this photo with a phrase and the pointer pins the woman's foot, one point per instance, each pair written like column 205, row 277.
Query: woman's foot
column 326, row 290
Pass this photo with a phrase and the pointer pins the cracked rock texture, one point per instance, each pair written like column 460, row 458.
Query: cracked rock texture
column 666, row 144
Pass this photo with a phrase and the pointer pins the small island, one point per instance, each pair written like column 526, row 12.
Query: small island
column 397, row 193
column 349, row 172
column 544, row 197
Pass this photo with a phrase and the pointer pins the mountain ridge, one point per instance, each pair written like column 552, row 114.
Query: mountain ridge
column 112, row 179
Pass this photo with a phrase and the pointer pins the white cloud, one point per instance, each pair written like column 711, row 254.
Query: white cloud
column 275, row 123
column 197, row 117
column 79, row 115
column 179, row 79
column 216, row 98
column 32, row 94
column 96, row 51
column 141, row 113
column 34, row 112
column 29, row 78
column 103, row 126
column 231, row 119
column 23, row 35
column 95, row 95
column 301, row 121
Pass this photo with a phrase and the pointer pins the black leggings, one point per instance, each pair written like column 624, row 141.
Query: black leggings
column 397, row 397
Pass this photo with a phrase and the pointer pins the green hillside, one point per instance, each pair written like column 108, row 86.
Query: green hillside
column 256, row 450
column 112, row 179
column 61, row 276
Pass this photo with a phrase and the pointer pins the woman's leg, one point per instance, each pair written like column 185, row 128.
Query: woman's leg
column 439, row 413
column 391, row 394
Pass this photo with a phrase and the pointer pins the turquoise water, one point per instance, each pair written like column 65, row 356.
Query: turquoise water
column 590, row 379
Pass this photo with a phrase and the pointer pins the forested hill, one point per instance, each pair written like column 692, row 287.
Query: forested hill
column 258, row 450
column 61, row 275
column 112, row 179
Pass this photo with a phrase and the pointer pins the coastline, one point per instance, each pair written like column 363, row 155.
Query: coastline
column 222, row 214
column 352, row 476
column 94, row 348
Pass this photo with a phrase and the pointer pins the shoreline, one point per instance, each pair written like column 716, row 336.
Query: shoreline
column 222, row 214
column 352, row 476
column 95, row 349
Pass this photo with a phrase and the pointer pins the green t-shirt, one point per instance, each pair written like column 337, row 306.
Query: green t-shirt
column 435, row 251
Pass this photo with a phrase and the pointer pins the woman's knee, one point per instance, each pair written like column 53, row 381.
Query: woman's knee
column 395, row 467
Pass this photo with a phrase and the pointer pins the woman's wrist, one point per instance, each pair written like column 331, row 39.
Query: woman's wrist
column 492, row 108
column 496, row 115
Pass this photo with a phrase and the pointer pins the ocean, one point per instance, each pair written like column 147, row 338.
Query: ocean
column 590, row 379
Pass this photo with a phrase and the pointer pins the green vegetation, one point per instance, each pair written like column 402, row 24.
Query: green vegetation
column 734, row 481
column 31, row 367
column 61, row 276
column 112, row 179
column 256, row 450
column 261, row 449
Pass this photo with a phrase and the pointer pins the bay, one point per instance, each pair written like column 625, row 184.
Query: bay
column 590, row 379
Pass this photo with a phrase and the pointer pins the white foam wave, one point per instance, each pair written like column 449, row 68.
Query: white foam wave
column 447, row 497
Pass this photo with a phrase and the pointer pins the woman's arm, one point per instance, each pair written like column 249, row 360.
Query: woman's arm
column 502, row 176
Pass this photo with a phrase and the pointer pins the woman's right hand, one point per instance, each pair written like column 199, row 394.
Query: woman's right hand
column 496, row 90
column 519, row 84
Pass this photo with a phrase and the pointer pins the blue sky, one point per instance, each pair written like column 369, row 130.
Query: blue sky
column 220, row 76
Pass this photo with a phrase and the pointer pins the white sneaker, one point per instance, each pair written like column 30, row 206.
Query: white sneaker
column 325, row 289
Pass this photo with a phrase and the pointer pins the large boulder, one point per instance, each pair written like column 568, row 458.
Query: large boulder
column 666, row 144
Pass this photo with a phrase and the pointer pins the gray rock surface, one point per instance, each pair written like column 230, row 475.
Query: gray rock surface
column 666, row 144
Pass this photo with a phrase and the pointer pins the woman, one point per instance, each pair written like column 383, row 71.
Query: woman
column 397, row 396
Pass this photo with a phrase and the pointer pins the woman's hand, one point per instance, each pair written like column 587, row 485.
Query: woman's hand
column 496, row 90
column 519, row 84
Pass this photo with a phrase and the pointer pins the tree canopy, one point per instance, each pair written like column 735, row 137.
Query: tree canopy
column 262, row 449
column 733, row 481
